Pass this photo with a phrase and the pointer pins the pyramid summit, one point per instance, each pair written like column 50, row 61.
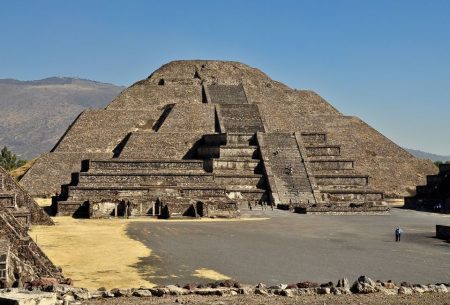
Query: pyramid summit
column 204, row 137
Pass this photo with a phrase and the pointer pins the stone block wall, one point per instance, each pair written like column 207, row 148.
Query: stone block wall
column 52, row 170
column 151, row 145
column 443, row 232
column 148, row 95
column 87, row 134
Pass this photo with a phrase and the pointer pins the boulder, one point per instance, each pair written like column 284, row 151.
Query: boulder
column 323, row 290
column 213, row 291
column 44, row 283
column 388, row 285
column 175, row 290
column 343, row 283
column 119, row 292
column 142, row 293
column 28, row 298
column 287, row 293
column 261, row 291
column 159, row 291
column 307, row 284
column 364, row 285
column 245, row 290
column 405, row 290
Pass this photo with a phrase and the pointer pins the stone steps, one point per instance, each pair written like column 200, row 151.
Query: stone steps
column 323, row 150
column 143, row 165
column 244, row 151
column 68, row 208
column 2, row 179
column 241, row 166
column 283, row 157
column 240, row 138
column 343, row 210
column 235, row 179
column 341, row 180
column 331, row 164
column 350, row 195
column 143, row 178
column 314, row 137
column 246, row 195
column 83, row 193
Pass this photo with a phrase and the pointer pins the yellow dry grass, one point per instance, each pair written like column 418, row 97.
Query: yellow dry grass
column 210, row 274
column 43, row 202
column 94, row 253
column 395, row 202
column 19, row 172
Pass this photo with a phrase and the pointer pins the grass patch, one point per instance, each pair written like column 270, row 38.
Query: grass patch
column 18, row 173
column 94, row 253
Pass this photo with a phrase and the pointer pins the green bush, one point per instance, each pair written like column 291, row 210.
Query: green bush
column 9, row 161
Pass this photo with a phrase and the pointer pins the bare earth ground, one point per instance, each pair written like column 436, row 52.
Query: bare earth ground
column 289, row 248
column 281, row 248
column 370, row 299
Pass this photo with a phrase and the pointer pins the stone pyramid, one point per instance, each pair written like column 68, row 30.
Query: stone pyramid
column 205, row 138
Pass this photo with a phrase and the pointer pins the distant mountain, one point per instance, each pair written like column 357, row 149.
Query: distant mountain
column 424, row 155
column 34, row 114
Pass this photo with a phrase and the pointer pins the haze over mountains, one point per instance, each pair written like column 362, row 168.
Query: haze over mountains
column 34, row 114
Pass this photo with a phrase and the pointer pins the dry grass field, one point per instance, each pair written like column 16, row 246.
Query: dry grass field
column 94, row 253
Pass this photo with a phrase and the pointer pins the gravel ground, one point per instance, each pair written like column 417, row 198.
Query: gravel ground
column 372, row 299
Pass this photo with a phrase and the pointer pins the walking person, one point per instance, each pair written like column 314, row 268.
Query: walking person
column 398, row 234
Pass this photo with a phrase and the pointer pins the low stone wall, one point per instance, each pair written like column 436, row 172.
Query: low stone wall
column 443, row 232
column 363, row 285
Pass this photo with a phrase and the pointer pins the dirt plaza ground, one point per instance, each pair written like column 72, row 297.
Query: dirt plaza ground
column 271, row 247
column 288, row 248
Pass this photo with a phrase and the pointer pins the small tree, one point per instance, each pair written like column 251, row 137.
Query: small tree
column 9, row 160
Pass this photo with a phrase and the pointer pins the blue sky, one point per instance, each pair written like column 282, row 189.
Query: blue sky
column 387, row 62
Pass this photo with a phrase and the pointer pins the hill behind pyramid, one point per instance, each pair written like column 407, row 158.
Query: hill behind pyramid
column 34, row 114
column 282, row 144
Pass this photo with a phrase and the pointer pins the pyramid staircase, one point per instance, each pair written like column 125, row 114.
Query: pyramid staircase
column 234, row 161
column 337, row 186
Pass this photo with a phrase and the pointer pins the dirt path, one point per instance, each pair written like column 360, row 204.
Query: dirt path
column 370, row 299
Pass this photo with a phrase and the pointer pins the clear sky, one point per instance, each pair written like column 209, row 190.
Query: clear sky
column 387, row 62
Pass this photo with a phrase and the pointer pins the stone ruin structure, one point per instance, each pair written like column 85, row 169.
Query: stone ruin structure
column 21, row 260
column 435, row 195
column 19, row 203
column 205, row 138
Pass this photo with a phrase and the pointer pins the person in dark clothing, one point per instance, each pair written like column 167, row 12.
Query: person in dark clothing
column 398, row 234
